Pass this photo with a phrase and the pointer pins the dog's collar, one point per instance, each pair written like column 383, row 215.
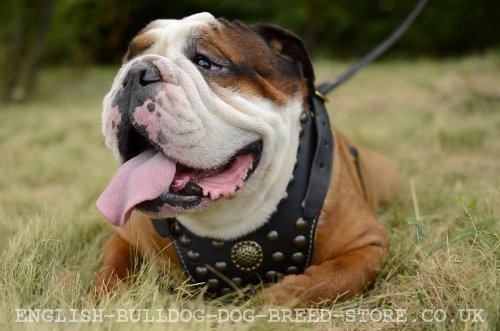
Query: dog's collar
column 283, row 245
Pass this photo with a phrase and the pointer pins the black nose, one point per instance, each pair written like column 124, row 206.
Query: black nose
column 143, row 74
column 142, row 82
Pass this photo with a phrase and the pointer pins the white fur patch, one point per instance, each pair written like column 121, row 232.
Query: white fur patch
column 252, row 206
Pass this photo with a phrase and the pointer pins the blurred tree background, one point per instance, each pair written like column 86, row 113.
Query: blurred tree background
column 82, row 32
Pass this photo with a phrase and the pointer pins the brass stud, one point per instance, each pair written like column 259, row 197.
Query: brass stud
column 300, row 224
column 201, row 272
column 225, row 291
column 175, row 228
column 284, row 199
column 303, row 117
column 193, row 256
column 237, row 280
column 247, row 255
column 293, row 270
column 300, row 241
column 213, row 284
column 220, row 266
column 184, row 240
column 277, row 257
column 297, row 257
column 272, row 236
column 218, row 245
column 271, row 276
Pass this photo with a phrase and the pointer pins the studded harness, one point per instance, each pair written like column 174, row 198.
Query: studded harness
column 284, row 244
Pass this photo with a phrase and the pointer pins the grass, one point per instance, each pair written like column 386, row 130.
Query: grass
column 439, row 120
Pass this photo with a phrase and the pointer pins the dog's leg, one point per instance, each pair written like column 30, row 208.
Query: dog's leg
column 342, row 277
column 116, row 265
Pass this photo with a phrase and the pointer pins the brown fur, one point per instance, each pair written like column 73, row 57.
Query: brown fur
column 260, row 72
column 138, row 45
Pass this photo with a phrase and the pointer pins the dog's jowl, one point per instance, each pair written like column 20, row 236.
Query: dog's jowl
column 229, row 169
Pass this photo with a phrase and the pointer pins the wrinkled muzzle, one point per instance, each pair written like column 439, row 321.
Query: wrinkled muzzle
column 156, row 131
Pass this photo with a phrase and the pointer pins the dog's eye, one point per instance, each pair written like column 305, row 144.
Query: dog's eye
column 202, row 61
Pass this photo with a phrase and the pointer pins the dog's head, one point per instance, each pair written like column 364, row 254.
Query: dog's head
column 204, row 115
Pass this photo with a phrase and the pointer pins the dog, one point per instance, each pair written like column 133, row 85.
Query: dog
column 230, row 172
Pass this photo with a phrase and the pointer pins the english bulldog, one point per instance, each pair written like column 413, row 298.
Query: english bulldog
column 229, row 171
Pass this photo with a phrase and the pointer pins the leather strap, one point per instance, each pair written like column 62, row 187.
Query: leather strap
column 322, row 163
column 283, row 245
column 355, row 155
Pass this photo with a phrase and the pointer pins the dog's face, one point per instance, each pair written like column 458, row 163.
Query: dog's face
column 204, row 115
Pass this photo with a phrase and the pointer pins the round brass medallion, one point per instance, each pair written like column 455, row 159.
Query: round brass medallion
column 247, row 255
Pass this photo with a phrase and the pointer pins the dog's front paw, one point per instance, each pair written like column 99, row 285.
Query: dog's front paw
column 292, row 291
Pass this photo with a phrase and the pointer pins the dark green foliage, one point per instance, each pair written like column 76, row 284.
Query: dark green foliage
column 98, row 31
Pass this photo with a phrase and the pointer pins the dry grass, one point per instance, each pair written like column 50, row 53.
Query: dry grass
column 439, row 120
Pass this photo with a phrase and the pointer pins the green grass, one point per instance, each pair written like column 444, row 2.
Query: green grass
column 439, row 120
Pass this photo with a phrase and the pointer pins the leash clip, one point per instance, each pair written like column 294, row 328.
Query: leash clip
column 321, row 96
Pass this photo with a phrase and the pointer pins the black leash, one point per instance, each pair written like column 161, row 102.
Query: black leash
column 326, row 87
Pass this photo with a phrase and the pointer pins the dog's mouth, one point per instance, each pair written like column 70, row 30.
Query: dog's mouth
column 191, row 185
column 156, row 184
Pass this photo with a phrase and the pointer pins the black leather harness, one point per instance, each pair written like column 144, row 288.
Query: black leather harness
column 284, row 244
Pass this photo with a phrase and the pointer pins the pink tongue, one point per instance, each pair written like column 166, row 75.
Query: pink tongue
column 144, row 177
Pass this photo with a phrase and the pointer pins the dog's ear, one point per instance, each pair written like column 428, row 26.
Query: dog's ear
column 288, row 45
